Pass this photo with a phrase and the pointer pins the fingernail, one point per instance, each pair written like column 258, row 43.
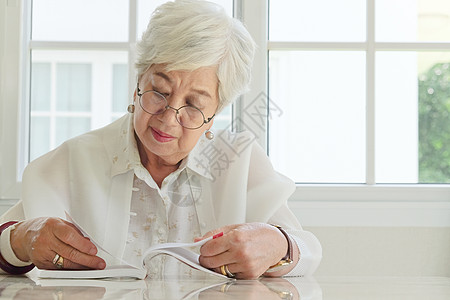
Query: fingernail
column 93, row 251
column 101, row 265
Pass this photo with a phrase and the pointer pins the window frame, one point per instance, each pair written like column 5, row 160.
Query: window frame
column 321, row 204
column 314, row 204
column 11, row 15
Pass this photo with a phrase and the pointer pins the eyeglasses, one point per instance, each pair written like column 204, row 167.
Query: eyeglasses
column 188, row 116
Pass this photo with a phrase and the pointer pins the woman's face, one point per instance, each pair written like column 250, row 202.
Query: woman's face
column 161, row 135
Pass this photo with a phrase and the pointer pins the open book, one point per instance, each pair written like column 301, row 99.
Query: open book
column 179, row 251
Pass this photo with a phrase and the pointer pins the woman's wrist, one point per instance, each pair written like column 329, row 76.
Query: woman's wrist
column 4, row 264
column 287, row 263
column 9, row 249
column 288, row 258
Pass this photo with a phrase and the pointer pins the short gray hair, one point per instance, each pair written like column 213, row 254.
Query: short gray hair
column 189, row 34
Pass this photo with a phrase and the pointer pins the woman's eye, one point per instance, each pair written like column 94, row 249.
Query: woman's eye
column 161, row 92
column 194, row 105
column 190, row 103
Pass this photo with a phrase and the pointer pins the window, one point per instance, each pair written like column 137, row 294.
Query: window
column 364, row 89
column 358, row 142
column 73, row 92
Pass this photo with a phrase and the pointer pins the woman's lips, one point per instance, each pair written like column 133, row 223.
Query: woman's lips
column 161, row 136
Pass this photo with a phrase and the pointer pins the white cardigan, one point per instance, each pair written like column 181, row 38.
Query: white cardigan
column 91, row 177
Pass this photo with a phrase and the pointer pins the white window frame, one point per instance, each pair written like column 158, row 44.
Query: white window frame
column 10, row 93
column 367, row 204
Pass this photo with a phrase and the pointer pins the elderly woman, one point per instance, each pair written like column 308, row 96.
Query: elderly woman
column 152, row 177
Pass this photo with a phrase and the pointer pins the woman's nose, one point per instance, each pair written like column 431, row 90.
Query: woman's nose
column 169, row 116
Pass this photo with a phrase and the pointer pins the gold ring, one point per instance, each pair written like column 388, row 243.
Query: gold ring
column 55, row 259
column 58, row 261
column 226, row 272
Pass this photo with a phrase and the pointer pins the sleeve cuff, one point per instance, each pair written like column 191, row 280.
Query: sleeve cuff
column 6, row 250
column 309, row 259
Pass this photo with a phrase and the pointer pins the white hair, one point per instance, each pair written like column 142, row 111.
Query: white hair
column 189, row 34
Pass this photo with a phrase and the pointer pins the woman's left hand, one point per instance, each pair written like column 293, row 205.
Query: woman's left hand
column 247, row 250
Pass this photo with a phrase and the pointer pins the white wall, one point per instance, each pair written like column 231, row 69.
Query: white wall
column 384, row 251
column 379, row 238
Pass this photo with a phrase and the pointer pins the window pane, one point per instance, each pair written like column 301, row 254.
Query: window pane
column 412, row 20
column 146, row 8
column 73, row 86
column 39, row 136
column 320, row 136
column 319, row 20
column 396, row 117
column 120, row 88
column 68, row 127
column 82, row 20
column 79, row 89
column 434, row 117
column 412, row 117
column 40, row 86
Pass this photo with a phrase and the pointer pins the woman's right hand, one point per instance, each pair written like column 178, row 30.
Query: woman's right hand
column 39, row 240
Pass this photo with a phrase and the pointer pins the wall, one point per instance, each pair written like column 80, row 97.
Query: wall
column 389, row 251
column 377, row 237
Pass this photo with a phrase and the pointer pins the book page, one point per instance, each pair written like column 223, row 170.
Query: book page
column 186, row 256
column 179, row 251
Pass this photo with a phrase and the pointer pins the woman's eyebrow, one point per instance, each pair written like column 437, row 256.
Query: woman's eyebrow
column 164, row 76
column 197, row 91
column 202, row 92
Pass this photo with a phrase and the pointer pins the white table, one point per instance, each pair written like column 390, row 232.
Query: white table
column 318, row 288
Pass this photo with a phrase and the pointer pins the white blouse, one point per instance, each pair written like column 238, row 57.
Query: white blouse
column 98, row 178
column 161, row 216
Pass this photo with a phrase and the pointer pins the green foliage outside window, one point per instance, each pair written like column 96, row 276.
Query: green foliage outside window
column 434, row 124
